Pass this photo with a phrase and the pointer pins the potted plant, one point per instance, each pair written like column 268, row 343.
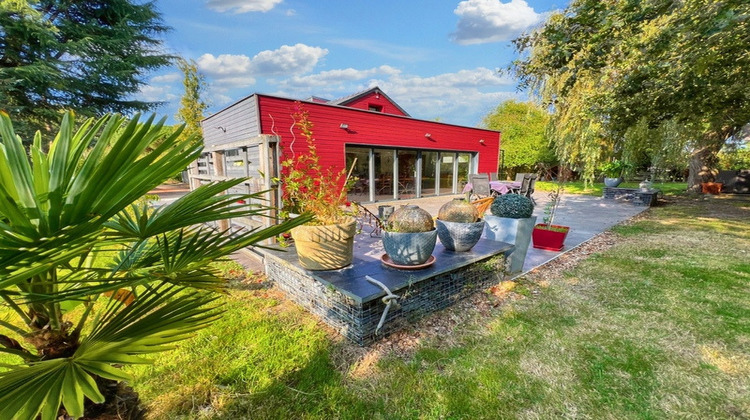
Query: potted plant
column 409, row 236
column 326, row 243
column 548, row 235
column 511, row 221
column 613, row 172
column 459, row 226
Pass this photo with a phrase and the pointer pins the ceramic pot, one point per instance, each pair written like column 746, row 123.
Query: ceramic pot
column 459, row 237
column 458, row 210
column 410, row 219
column 612, row 182
column 409, row 248
column 326, row 247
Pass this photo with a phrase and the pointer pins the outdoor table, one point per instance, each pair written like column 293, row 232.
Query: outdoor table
column 502, row 187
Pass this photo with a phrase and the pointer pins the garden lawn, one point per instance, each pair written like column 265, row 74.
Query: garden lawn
column 577, row 187
column 655, row 326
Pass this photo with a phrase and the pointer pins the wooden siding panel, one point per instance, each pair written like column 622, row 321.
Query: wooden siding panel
column 236, row 123
column 373, row 129
column 387, row 107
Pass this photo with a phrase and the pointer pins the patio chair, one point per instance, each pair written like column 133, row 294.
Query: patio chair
column 519, row 177
column 525, row 183
column 493, row 176
column 532, row 186
column 480, row 187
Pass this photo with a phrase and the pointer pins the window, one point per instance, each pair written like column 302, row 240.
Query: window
column 376, row 108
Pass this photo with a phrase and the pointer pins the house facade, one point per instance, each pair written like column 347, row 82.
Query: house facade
column 394, row 155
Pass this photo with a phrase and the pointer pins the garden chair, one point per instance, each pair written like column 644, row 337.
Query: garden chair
column 480, row 187
column 493, row 176
column 525, row 184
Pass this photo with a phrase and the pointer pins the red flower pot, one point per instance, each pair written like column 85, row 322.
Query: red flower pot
column 711, row 187
column 549, row 239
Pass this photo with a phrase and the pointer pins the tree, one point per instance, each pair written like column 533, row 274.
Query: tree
column 89, row 56
column 607, row 66
column 96, row 281
column 524, row 141
column 192, row 106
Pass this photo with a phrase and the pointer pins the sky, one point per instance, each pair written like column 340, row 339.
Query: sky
column 438, row 59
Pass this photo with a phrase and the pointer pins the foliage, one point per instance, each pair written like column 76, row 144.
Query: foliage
column 308, row 187
column 550, row 209
column 664, row 149
column 192, row 107
column 88, row 56
column 615, row 168
column 514, row 206
column 736, row 154
column 607, row 66
column 95, row 281
column 524, row 140
column 643, row 327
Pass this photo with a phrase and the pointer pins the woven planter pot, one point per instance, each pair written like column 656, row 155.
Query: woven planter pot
column 409, row 248
column 459, row 237
column 327, row 247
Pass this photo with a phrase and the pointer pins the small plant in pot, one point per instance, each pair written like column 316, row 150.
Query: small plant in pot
column 326, row 243
column 511, row 220
column 548, row 235
column 459, row 226
column 613, row 172
column 409, row 236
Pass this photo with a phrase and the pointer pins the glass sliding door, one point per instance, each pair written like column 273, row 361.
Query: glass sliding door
column 463, row 170
column 429, row 168
column 384, row 174
column 407, row 173
column 447, row 162
column 360, row 157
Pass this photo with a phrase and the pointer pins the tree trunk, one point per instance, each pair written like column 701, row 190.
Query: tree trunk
column 703, row 165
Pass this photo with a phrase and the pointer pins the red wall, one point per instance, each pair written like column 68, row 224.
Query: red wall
column 373, row 128
column 387, row 107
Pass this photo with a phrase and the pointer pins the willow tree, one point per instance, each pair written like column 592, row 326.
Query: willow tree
column 607, row 66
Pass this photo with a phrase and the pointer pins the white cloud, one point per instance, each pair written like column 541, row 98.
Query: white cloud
column 242, row 6
column 166, row 78
column 152, row 93
column 296, row 59
column 386, row 50
column 336, row 77
column 462, row 97
column 482, row 21
column 227, row 70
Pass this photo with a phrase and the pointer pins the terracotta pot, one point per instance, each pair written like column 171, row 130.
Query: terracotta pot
column 711, row 187
column 551, row 240
column 326, row 247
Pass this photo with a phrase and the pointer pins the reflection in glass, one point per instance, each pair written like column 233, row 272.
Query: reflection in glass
column 407, row 173
column 446, row 172
column 429, row 163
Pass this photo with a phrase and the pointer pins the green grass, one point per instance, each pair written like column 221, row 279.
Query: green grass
column 655, row 327
column 577, row 187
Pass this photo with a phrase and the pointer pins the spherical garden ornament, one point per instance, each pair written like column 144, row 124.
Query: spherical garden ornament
column 458, row 210
column 513, row 206
column 410, row 219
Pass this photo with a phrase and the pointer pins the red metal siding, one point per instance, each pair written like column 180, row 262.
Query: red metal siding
column 377, row 99
column 373, row 129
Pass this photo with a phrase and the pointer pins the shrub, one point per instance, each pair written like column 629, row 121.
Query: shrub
column 514, row 206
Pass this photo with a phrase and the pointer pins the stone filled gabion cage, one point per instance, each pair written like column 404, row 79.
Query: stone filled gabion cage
column 358, row 321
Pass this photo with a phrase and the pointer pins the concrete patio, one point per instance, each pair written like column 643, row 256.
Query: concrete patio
column 586, row 215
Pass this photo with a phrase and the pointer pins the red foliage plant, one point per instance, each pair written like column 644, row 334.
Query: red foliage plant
column 307, row 186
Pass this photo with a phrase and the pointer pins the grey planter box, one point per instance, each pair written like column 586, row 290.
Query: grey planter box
column 513, row 231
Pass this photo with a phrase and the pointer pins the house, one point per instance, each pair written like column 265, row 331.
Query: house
column 394, row 155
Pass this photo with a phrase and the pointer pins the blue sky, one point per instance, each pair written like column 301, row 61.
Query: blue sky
column 438, row 59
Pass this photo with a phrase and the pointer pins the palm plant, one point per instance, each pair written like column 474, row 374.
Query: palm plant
column 94, row 278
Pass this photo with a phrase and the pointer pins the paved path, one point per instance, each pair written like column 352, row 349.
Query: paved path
column 586, row 215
